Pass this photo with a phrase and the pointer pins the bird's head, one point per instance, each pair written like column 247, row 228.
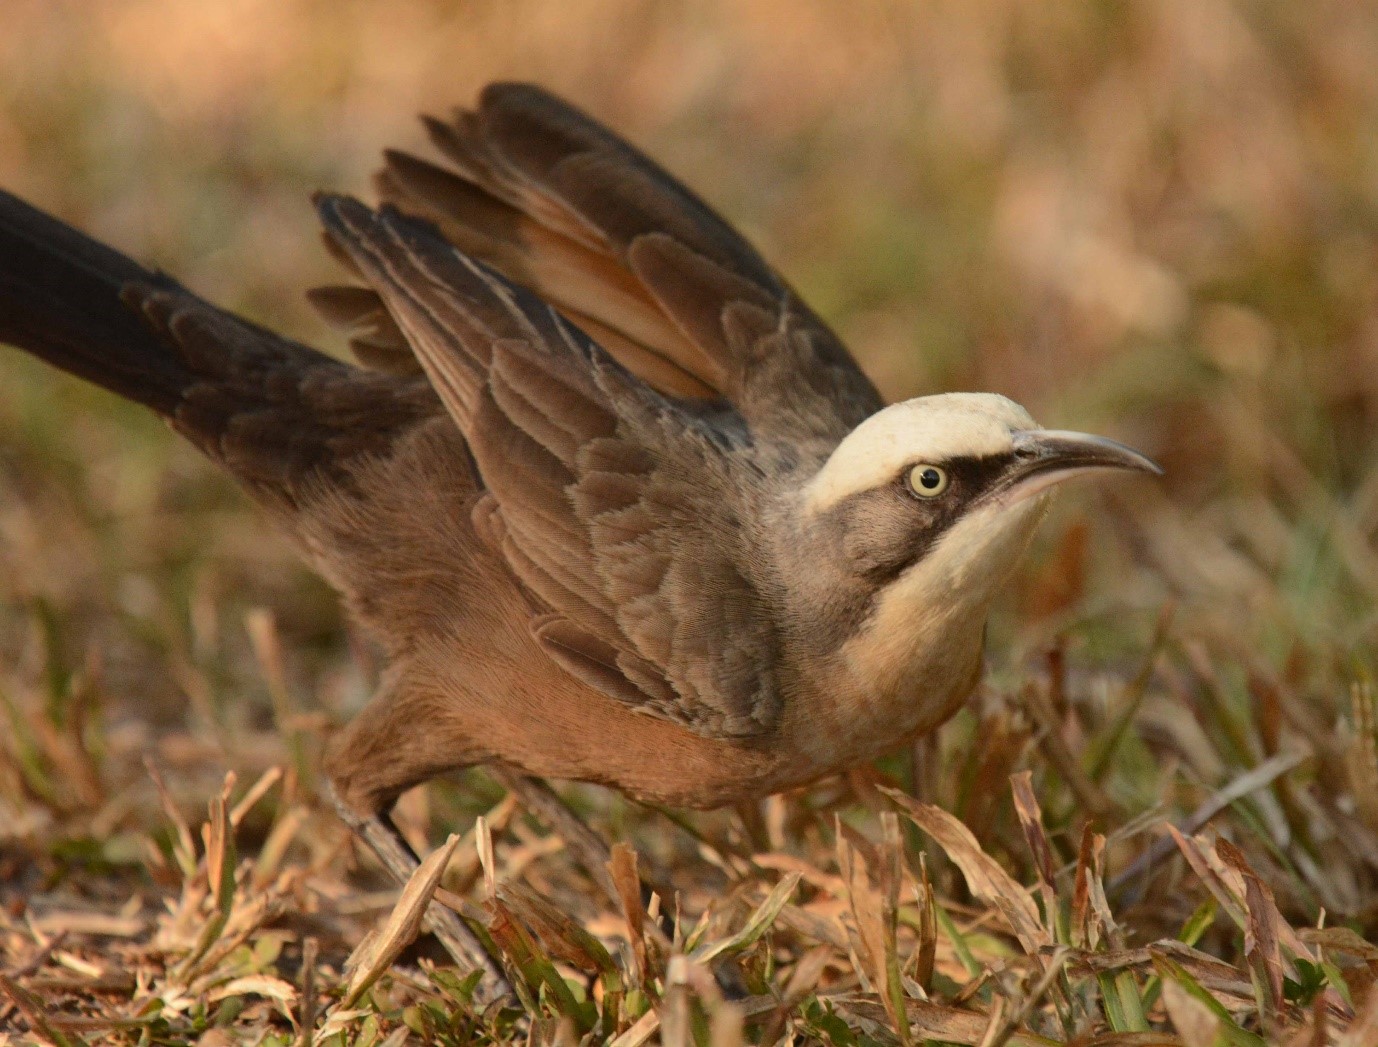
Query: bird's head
column 949, row 486
column 930, row 503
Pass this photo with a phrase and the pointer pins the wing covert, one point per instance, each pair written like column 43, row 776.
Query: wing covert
column 615, row 506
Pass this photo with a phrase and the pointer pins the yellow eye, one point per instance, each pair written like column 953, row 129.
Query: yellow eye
column 927, row 481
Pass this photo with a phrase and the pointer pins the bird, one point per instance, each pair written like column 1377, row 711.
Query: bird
column 616, row 505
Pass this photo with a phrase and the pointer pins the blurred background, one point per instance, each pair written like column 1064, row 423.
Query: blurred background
column 1154, row 219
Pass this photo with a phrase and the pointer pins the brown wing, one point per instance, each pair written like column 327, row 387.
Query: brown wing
column 616, row 507
column 557, row 203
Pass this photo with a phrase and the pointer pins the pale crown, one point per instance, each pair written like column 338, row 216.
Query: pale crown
column 927, row 429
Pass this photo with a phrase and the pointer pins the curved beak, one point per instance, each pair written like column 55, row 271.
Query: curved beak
column 1044, row 457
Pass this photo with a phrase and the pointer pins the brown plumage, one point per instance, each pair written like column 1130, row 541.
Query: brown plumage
column 617, row 505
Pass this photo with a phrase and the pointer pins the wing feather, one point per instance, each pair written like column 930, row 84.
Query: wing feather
column 610, row 502
column 559, row 204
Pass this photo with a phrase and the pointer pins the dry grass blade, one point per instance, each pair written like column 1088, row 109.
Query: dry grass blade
column 1031, row 821
column 1030, row 815
column 640, row 1033
column 873, row 895
column 926, row 950
column 306, row 1022
column 1085, row 932
column 261, row 626
column 1196, row 1023
column 1341, row 939
column 675, row 1016
column 1193, row 849
column 813, row 927
column 760, row 921
column 483, row 846
column 1261, row 932
column 985, row 878
column 277, row 989
column 1363, row 752
column 184, row 851
column 215, row 837
column 255, row 792
column 1228, row 883
column 284, row 833
column 1099, row 904
column 560, row 935
column 627, row 882
column 376, row 953
column 31, row 1007
column 1003, row 1027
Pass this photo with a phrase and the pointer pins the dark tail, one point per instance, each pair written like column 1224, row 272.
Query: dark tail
column 71, row 301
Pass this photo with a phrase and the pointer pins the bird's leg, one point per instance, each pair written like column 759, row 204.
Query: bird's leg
column 589, row 849
column 385, row 840
column 592, row 852
column 924, row 768
column 368, row 763
column 753, row 825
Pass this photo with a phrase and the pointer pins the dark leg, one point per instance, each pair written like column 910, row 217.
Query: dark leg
column 592, row 852
column 383, row 839
column 589, row 849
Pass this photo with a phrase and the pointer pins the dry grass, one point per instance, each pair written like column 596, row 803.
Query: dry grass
column 1154, row 219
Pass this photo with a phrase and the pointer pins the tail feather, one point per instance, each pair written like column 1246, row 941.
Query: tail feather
column 274, row 412
column 63, row 297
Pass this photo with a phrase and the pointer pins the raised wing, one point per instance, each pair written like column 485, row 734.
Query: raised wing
column 615, row 506
column 557, row 203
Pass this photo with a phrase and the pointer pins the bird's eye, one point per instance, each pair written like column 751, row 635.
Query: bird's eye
column 927, row 481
